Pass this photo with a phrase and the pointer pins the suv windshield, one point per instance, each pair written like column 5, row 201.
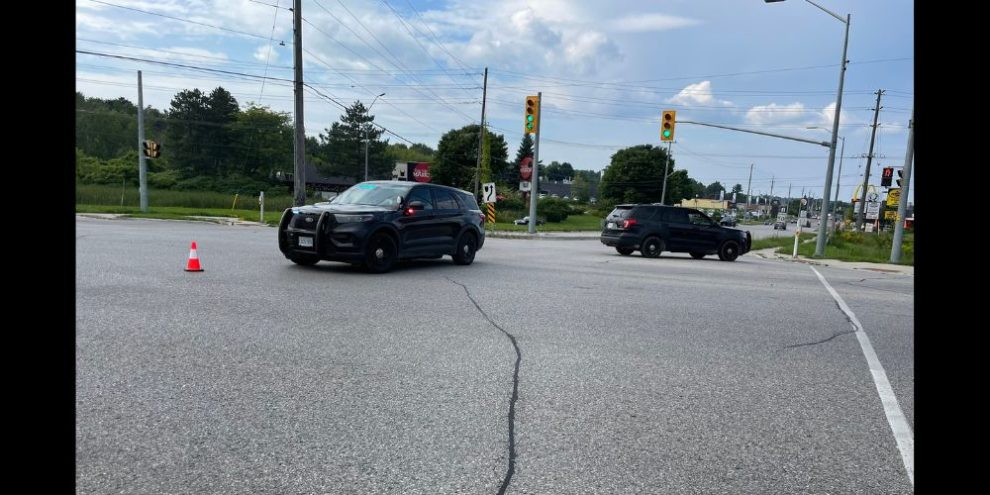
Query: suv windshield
column 371, row 195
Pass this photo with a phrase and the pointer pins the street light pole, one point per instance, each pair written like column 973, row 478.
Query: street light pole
column 823, row 226
column 838, row 177
column 366, row 137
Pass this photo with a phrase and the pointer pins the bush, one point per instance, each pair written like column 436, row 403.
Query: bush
column 555, row 209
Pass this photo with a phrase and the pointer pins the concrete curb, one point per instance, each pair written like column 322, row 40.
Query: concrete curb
column 769, row 253
column 552, row 236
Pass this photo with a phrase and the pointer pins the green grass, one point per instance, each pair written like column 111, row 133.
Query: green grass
column 782, row 241
column 93, row 194
column 181, row 213
column 573, row 223
column 864, row 246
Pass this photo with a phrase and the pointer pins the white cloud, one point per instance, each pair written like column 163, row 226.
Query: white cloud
column 266, row 53
column 641, row 23
column 698, row 94
column 774, row 114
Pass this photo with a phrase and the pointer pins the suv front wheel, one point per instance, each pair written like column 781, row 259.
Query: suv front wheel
column 381, row 253
column 652, row 246
column 729, row 251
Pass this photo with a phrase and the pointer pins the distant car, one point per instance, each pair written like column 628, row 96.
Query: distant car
column 780, row 225
column 525, row 221
column 378, row 223
column 728, row 221
column 652, row 229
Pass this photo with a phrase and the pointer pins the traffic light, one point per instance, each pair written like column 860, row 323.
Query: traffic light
column 531, row 123
column 152, row 149
column 900, row 176
column 667, row 123
column 888, row 173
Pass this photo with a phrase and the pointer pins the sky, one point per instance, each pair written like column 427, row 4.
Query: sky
column 606, row 71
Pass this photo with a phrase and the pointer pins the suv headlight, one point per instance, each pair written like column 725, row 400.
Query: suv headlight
column 353, row 218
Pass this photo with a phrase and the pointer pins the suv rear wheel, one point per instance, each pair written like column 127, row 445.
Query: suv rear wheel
column 729, row 251
column 652, row 246
column 466, row 246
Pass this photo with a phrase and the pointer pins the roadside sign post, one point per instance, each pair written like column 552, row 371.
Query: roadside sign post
column 261, row 201
column 797, row 235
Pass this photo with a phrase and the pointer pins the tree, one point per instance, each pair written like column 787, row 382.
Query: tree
column 264, row 142
column 510, row 176
column 199, row 134
column 457, row 156
column 737, row 188
column 343, row 149
column 580, row 188
column 635, row 175
column 107, row 129
column 713, row 189
column 399, row 152
column 559, row 171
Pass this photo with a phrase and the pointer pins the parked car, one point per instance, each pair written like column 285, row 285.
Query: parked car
column 525, row 221
column 728, row 221
column 780, row 225
column 652, row 229
column 377, row 223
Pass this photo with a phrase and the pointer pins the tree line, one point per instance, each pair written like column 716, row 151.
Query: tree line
column 209, row 142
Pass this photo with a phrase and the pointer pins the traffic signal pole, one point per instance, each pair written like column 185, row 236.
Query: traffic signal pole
column 861, row 218
column 534, row 191
column 895, row 248
column 142, row 163
column 666, row 172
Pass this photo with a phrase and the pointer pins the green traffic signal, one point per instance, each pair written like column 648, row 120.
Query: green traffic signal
column 666, row 133
column 529, row 118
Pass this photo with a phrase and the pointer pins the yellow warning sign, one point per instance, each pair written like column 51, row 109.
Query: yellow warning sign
column 893, row 197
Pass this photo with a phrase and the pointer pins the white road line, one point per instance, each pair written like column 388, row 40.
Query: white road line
column 895, row 416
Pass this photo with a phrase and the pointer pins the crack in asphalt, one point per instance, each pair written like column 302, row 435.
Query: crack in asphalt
column 515, row 391
column 820, row 341
column 792, row 346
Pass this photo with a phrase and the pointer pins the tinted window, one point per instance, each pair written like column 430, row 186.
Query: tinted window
column 678, row 216
column 371, row 194
column 698, row 218
column 421, row 194
column 621, row 212
column 468, row 201
column 445, row 200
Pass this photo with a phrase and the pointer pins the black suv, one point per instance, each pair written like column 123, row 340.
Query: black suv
column 377, row 223
column 652, row 228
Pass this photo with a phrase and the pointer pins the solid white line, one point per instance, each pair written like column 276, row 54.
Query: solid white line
column 895, row 416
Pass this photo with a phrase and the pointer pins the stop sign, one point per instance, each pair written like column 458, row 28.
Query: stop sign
column 525, row 168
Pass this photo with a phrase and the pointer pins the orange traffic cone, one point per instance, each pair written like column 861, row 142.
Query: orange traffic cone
column 193, row 264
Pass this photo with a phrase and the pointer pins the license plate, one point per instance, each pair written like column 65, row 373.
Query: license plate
column 611, row 225
column 305, row 241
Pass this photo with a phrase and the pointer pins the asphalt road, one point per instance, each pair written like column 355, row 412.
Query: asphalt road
column 635, row 375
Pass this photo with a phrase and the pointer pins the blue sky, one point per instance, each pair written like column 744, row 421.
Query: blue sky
column 606, row 71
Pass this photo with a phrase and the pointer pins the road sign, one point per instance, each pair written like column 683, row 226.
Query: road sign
column 804, row 201
column 893, row 197
column 872, row 210
column 526, row 168
column 488, row 192
column 872, row 196
column 525, row 185
column 890, row 215
column 803, row 214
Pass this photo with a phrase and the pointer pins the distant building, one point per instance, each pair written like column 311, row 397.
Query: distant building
column 707, row 204
column 317, row 181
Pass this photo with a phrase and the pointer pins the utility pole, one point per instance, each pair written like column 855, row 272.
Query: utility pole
column 869, row 159
column 895, row 248
column 666, row 171
column 837, row 178
column 481, row 134
column 534, row 191
column 772, row 178
column 749, row 183
column 142, row 163
column 299, row 147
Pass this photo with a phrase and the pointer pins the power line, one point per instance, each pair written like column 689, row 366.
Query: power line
column 269, row 56
column 179, row 19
